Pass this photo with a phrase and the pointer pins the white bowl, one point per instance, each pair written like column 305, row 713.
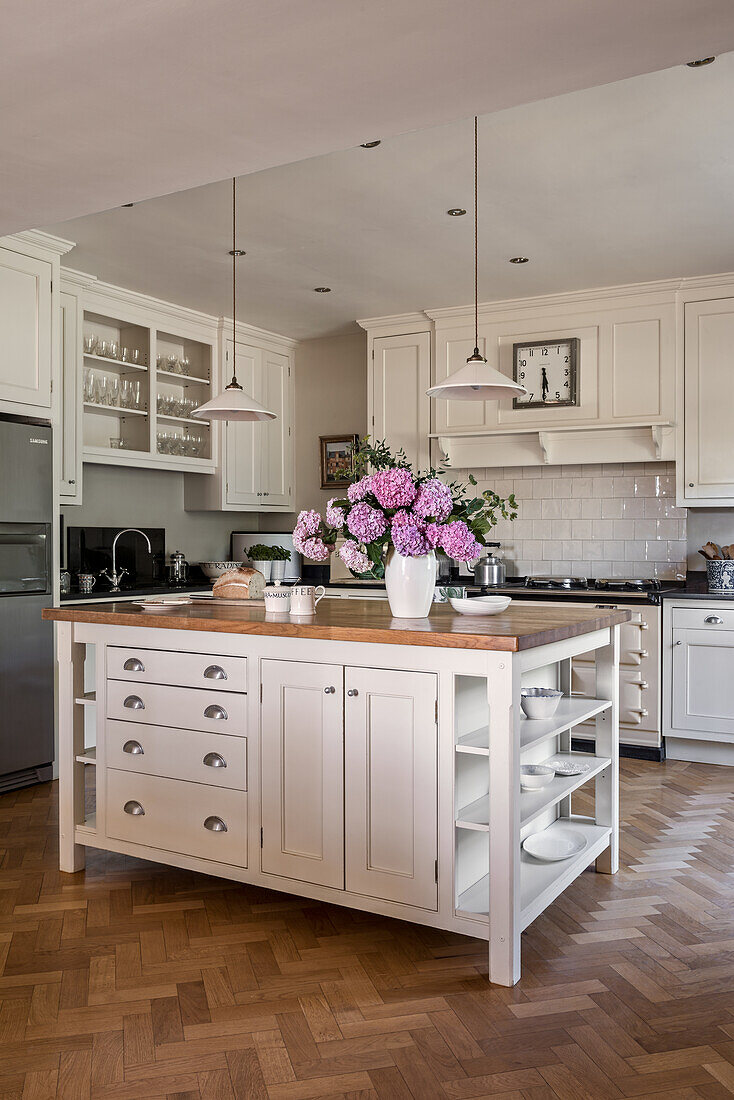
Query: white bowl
column 540, row 702
column 214, row 569
column 533, row 777
column 480, row 605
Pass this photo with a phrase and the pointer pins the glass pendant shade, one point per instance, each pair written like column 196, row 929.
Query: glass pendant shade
column 233, row 404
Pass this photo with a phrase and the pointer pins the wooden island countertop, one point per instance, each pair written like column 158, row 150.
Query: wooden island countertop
column 521, row 626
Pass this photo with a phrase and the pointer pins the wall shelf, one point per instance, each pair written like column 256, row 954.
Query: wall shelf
column 181, row 379
column 113, row 410
column 87, row 699
column 120, row 366
column 571, row 712
column 89, row 756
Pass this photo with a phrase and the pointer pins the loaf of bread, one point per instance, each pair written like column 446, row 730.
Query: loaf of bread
column 240, row 584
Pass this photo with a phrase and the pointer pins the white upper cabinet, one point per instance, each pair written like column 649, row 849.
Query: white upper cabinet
column 70, row 414
column 255, row 467
column 399, row 375
column 707, row 475
column 26, row 325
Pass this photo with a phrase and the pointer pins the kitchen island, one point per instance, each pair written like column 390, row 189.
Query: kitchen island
column 351, row 757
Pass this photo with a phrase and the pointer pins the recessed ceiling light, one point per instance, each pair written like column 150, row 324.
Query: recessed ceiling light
column 456, row 212
column 237, row 252
column 519, row 260
column 702, row 61
column 322, row 289
column 370, row 144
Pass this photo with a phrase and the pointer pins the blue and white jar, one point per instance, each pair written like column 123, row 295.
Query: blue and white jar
column 721, row 576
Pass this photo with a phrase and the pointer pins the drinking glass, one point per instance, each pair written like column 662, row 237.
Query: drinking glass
column 185, row 365
column 103, row 348
column 161, row 362
column 113, row 390
column 90, row 343
column 113, row 349
column 136, row 356
column 115, row 443
column 90, row 382
column 123, row 355
column 100, row 390
column 173, row 364
column 134, row 394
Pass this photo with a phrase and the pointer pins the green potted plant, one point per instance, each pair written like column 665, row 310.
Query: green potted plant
column 280, row 557
column 261, row 557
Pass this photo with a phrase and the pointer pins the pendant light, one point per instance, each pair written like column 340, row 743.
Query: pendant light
column 233, row 403
column 476, row 381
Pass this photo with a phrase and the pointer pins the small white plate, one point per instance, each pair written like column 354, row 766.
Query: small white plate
column 165, row 604
column 567, row 767
column 554, row 845
column 480, row 605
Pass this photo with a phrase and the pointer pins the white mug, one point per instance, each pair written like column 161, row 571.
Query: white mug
column 304, row 598
column 277, row 600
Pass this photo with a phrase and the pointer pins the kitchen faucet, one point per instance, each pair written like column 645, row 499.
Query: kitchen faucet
column 114, row 577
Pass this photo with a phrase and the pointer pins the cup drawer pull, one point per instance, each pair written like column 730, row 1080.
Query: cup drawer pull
column 214, row 711
column 215, row 825
column 215, row 672
column 133, row 664
column 134, row 808
column 715, row 620
column 134, row 748
column 214, row 760
column 134, row 702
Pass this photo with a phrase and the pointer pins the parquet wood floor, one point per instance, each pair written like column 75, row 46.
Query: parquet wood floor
column 135, row 980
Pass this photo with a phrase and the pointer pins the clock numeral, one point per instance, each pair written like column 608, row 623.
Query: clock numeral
column 566, row 358
column 522, row 375
column 558, row 396
column 544, row 351
column 523, row 362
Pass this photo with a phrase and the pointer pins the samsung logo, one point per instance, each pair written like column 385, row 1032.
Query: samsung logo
column 43, row 442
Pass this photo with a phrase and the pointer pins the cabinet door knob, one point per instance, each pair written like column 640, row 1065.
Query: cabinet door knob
column 134, row 702
column 214, row 760
column 132, row 664
column 215, row 825
column 134, row 748
column 714, row 619
column 679, row 643
column 641, row 652
column 642, row 684
column 215, row 711
column 134, row 808
column 352, row 692
column 329, row 690
column 215, row 672
column 72, row 481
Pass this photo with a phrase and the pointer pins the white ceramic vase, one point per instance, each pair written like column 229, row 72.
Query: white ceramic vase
column 410, row 583
column 264, row 567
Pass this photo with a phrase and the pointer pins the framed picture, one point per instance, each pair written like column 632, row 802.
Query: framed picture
column 336, row 460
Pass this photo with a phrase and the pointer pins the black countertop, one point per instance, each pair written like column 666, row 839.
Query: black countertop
column 99, row 593
column 696, row 588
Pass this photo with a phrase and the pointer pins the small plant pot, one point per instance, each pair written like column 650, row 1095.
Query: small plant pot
column 263, row 567
column 720, row 576
column 277, row 571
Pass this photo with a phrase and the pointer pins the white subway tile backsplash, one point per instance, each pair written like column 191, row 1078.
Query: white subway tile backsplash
column 617, row 520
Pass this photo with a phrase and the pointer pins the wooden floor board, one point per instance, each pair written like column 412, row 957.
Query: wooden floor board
column 135, row 980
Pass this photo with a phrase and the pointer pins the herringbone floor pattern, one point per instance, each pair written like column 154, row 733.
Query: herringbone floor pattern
column 133, row 980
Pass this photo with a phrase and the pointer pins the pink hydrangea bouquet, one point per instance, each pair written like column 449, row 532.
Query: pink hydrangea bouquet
column 392, row 506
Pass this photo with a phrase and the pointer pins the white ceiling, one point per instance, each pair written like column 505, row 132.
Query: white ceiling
column 103, row 103
column 622, row 183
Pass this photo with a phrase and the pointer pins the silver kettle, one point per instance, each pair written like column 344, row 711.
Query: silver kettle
column 490, row 569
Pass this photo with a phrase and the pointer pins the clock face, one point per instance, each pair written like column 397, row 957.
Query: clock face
column 547, row 370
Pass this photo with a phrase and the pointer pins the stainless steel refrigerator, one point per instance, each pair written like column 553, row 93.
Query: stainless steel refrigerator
column 26, row 642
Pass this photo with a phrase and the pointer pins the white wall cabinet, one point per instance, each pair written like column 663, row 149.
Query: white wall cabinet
column 255, row 469
column 707, row 401
column 399, row 373
column 350, row 779
column 26, row 325
column 70, row 413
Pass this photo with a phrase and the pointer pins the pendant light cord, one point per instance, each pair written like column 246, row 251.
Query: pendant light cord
column 234, row 281
column 476, row 236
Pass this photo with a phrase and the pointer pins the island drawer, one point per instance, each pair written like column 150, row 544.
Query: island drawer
column 184, row 708
column 192, row 818
column 211, row 758
column 714, row 617
column 162, row 666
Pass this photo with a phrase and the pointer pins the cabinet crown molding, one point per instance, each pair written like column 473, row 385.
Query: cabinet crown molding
column 36, row 238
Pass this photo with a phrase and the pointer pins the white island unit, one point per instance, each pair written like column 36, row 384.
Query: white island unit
column 355, row 758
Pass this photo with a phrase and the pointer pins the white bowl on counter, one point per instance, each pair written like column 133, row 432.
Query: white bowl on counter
column 214, row 569
column 540, row 702
column 480, row 605
column 533, row 777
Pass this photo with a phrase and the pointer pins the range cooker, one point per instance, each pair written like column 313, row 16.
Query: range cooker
column 640, row 655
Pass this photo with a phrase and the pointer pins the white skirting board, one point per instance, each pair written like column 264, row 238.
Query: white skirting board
column 699, row 752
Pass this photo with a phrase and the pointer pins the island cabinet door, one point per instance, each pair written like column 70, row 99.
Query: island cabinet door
column 391, row 785
column 303, row 771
